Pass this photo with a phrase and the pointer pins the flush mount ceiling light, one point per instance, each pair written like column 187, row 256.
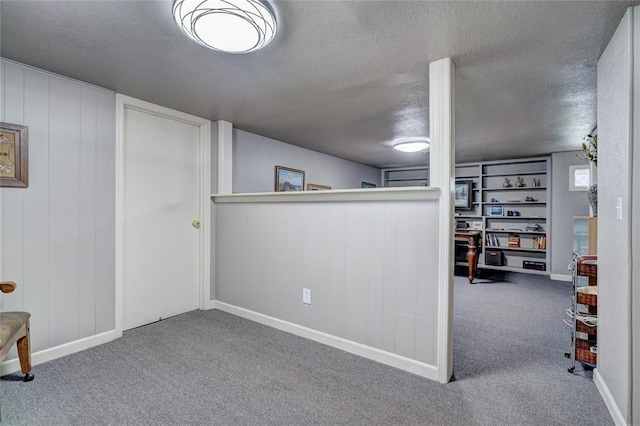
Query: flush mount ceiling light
column 232, row 26
column 411, row 145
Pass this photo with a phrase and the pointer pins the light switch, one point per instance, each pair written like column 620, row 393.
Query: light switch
column 619, row 208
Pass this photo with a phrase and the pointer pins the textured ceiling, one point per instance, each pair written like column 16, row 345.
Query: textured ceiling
column 345, row 77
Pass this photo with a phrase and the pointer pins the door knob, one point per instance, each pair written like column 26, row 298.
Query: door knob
column 196, row 224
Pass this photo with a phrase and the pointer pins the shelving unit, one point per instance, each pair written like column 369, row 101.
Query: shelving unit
column 488, row 191
column 583, row 313
column 405, row 176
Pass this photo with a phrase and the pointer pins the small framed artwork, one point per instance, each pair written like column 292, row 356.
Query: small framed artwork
column 368, row 185
column 289, row 179
column 14, row 152
column 463, row 195
column 496, row 210
column 317, row 187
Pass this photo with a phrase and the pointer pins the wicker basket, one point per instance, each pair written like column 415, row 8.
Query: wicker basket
column 587, row 356
column 587, row 295
column 588, row 268
column 584, row 328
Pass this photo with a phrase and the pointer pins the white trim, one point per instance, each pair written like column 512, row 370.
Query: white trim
column 123, row 102
column 560, row 277
column 602, row 387
column 49, row 354
column 373, row 194
column 388, row 358
column 225, row 157
column 53, row 74
column 441, row 174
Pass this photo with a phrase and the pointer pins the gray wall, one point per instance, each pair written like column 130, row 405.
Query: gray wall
column 565, row 205
column 254, row 159
column 635, row 227
column 58, row 235
column 614, row 91
column 372, row 268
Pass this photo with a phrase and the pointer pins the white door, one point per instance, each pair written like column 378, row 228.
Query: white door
column 161, row 254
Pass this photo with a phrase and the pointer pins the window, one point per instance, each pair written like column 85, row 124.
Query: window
column 579, row 178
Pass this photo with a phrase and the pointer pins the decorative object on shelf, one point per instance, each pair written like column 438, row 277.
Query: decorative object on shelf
column 534, row 227
column 519, row 182
column 533, row 182
column 494, row 200
column 590, row 149
column 317, row 187
column 506, row 183
column 368, row 185
column 538, row 183
column 530, row 199
column 496, row 210
column 14, row 155
column 463, row 194
column 289, row 179
column 231, row 26
column 592, row 196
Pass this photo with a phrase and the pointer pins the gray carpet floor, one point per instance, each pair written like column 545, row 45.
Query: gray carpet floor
column 212, row 368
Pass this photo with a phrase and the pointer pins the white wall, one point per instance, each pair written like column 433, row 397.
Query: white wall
column 614, row 94
column 565, row 205
column 371, row 266
column 635, row 227
column 255, row 157
column 57, row 236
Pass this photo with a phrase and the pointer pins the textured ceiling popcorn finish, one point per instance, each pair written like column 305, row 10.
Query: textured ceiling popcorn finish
column 345, row 78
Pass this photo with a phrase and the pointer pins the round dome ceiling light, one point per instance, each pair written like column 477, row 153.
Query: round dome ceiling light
column 232, row 26
column 411, row 145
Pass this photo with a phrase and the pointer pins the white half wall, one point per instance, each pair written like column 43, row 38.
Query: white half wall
column 371, row 265
column 57, row 236
column 255, row 157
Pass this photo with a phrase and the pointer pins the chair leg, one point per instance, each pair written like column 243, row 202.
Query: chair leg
column 24, row 353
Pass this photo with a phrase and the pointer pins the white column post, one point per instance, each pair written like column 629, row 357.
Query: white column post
column 225, row 157
column 441, row 170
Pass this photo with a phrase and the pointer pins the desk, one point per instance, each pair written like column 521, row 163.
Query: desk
column 472, row 238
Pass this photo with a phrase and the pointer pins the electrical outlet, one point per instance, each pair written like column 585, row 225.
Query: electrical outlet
column 306, row 296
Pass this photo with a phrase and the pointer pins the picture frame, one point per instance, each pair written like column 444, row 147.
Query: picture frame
column 287, row 179
column 463, row 199
column 496, row 210
column 317, row 187
column 14, row 155
column 368, row 185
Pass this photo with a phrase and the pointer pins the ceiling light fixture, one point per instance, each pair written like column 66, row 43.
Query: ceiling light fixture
column 411, row 144
column 232, row 26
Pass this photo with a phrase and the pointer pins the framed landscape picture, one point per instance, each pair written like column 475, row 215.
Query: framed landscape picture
column 289, row 179
column 464, row 195
column 14, row 151
column 317, row 187
column 368, row 185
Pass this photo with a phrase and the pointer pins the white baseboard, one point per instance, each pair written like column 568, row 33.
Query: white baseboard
column 13, row 365
column 388, row 358
column 561, row 277
column 615, row 412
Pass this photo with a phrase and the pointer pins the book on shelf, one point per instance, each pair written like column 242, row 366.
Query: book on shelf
column 514, row 240
column 540, row 243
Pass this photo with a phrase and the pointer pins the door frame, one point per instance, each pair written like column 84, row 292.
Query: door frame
column 204, row 159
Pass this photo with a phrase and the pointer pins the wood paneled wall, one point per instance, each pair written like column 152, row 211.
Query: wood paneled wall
column 57, row 236
column 371, row 267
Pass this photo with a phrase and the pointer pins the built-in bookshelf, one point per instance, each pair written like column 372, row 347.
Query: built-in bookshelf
column 521, row 207
column 511, row 208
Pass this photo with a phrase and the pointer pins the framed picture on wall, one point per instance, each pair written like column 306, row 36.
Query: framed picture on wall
column 14, row 151
column 317, row 187
column 496, row 210
column 289, row 179
column 464, row 195
column 368, row 185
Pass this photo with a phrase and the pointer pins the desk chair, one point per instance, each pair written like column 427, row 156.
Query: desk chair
column 14, row 328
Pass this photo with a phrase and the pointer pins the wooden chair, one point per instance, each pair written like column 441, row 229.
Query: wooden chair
column 14, row 328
